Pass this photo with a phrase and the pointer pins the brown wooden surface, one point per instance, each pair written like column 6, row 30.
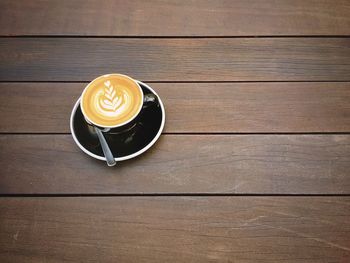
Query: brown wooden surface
column 175, row 229
column 225, row 107
column 185, row 59
column 248, row 164
column 222, row 68
column 175, row 18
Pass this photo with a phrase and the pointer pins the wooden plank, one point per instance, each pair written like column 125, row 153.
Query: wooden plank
column 175, row 229
column 225, row 107
column 208, row 59
column 242, row 164
column 174, row 18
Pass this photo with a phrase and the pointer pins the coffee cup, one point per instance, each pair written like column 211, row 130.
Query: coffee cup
column 113, row 101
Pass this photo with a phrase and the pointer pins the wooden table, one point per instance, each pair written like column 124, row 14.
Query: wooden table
column 254, row 161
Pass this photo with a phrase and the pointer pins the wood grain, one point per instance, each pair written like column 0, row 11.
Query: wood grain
column 225, row 107
column 175, row 229
column 175, row 18
column 157, row 41
column 203, row 59
column 241, row 164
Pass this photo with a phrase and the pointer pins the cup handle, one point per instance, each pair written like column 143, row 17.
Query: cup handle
column 149, row 100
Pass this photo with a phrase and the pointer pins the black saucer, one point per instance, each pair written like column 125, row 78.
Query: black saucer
column 124, row 144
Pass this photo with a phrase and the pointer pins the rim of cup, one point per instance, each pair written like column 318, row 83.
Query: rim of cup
column 120, row 124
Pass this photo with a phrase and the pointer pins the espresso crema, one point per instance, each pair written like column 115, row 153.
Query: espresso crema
column 111, row 100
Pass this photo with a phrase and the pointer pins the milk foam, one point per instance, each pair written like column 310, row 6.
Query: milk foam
column 111, row 100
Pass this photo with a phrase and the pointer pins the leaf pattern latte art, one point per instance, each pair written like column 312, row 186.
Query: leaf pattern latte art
column 110, row 100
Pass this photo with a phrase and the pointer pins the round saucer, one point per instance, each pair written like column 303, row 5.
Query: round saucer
column 125, row 144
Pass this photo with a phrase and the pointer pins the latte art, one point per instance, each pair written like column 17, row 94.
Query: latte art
column 111, row 100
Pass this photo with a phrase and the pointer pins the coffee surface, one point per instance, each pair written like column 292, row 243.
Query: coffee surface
column 111, row 100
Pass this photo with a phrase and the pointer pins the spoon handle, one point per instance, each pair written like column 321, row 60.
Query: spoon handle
column 105, row 148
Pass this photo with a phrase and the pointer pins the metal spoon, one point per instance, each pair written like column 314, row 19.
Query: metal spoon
column 105, row 148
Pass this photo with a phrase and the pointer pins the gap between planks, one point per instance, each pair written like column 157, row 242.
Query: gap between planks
column 73, row 195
